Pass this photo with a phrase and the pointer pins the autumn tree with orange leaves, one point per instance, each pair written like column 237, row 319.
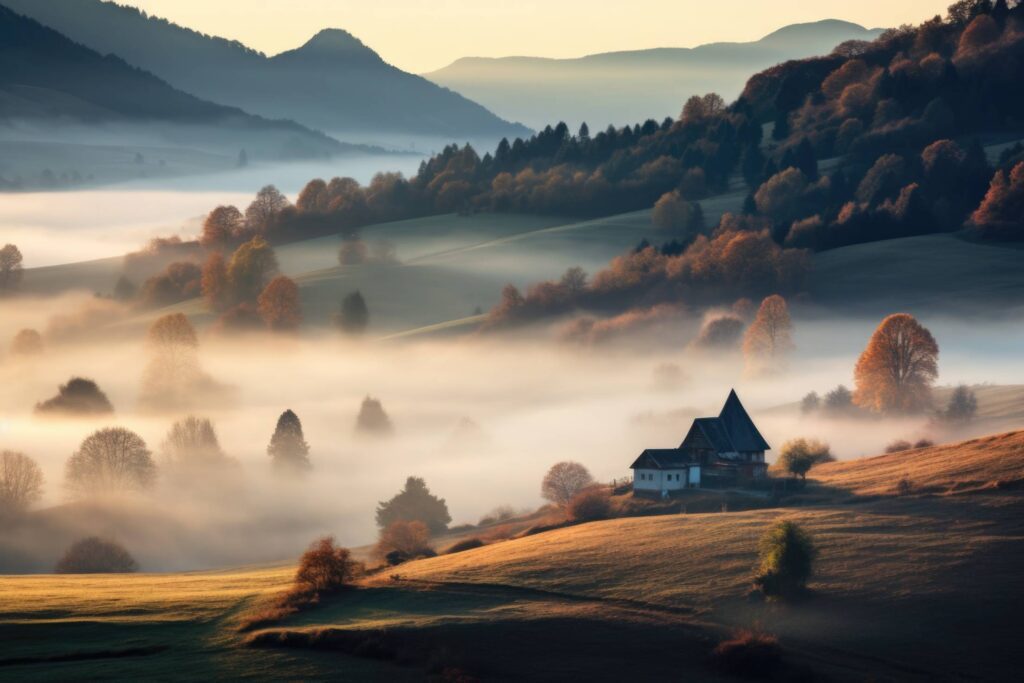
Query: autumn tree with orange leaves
column 279, row 304
column 215, row 282
column 896, row 371
column 769, row 338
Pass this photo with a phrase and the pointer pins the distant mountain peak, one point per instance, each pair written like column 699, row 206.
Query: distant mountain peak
column 337, row 43
column 811, row 28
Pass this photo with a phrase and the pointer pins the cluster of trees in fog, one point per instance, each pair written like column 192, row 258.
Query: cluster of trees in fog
column 235, row 271
column 116, row 460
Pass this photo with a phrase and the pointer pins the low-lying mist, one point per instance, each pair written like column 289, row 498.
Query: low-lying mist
column 536, row 400
column 77, row 225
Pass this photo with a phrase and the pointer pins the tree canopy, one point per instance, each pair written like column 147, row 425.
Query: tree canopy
column 416, row 503
column 895, row 372
column 111, row 460
column 563, row 481
column 288, row 449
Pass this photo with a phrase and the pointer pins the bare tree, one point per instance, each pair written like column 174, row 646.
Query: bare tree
column 21, row 482
column 563, row 481
column 110, row 460
column 264, row 208
column 192, row 442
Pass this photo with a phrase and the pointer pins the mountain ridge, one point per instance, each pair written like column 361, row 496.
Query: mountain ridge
column 333, row 82
column 632, row 85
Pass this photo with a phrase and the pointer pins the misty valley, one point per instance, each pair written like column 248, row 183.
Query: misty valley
column 666, row 363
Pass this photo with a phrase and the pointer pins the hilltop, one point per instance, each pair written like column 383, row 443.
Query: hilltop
column 622, row 87
column 332, row 83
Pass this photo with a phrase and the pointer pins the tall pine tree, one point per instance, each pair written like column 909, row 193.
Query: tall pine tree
column 288, row 449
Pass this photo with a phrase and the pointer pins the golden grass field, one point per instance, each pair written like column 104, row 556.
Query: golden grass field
column 918, row 587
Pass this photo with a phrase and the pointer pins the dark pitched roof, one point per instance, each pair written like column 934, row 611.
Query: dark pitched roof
column 715, row 432
column 739, row 427
column 662, row 459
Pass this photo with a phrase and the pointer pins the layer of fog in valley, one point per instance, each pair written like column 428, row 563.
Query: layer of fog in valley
column 51, row 228
column 480, row 417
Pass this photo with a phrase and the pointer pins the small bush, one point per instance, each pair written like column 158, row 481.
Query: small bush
column 750, row 654
column 924, row 443
column 403, row 541
column 785, row 560
column 590, row 505
column 899, row 446
column 502, row 513
column 325, row 566
column 96, row 556
column 464, row 545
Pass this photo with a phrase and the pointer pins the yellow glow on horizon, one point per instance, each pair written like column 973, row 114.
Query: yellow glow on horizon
column 421, row 36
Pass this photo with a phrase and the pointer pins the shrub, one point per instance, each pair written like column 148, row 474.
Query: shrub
column 94, row 555
column 800, row 455
column 464, row 545
column 785, row 560
column 325, row 566
column 748, row 653
column 590, row 504
column 924, row 443
column 898, row 446
column 78, row 397
column 502, row 513
column 409, row 539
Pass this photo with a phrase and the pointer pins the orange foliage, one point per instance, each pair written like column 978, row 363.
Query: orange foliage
column 1001, row 213
column 279, row 304
column 898, row 367
column 769, row 336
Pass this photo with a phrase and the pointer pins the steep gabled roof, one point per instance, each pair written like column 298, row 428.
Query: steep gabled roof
column 662, row 459
column 715, row 432
column 740, row 427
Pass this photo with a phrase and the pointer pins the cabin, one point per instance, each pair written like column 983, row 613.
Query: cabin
column 727, row 450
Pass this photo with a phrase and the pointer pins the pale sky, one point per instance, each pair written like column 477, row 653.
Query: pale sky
column 423, row 35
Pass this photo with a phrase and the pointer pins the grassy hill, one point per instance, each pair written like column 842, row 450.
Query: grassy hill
column 918, row 587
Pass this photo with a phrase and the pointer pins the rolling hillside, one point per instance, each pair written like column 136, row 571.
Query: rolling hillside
column 913, row 588
column 625, row 87
column 332, row 83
